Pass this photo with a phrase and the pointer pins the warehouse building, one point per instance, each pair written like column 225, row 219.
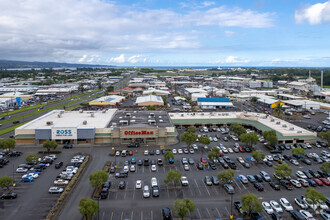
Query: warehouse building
column 214, row 103
column 150, row 100
column 107, row 100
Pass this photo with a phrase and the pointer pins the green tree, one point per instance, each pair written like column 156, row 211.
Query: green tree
column 6, row 181
column 258, row 156
column 168, row 154
column 270, row 137
column 326, row 136
column 99, row 84
column 32, row 158
column 88, row 207
column 278, row 110
column 254, row 99
column 151, row 108
column 8, row 143
column 325, row 167
column 214, row 153
column 98, row 178
column 182, row 207
column 314, row 195
column 283, row 170
column 237, row 129
column 249, row 139
column 110, row 89
column 81, row 88
column 226, row 176
column 298, row 150
column 191, row 129
column 188, row 138
column 49, row 144
column 172, row 176
column 204, row 140
column 250, row 203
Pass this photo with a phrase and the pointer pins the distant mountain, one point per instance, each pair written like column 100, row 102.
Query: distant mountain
column 13, row 64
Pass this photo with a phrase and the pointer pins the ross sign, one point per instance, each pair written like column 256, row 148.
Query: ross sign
column 64, row 133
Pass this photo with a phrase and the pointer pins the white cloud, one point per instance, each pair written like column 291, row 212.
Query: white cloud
column 119, row 59
column 233, row 59
column 313, row 14
column 83, row 58
column 276, row 60
column 132, row 60
column 230, row 33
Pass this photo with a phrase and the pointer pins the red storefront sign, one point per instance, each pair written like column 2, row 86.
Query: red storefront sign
column 138, row 132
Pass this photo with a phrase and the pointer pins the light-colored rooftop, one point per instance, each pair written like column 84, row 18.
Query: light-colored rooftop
column 301, row 102
column 195, row 90
column 99, row 119
column 291, row 96
column 284, row 128
column 149, row 98
column 216, row 103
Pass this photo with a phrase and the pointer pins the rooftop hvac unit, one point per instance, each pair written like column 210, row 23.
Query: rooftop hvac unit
column 299, row 132
column 292, row 128
column 59, row 115
column 202, row 113
column 114, row 124
column 284, row 126
column 104, row 111
column 278, row 122
column 49, row 123
column 160, row 117
column 272, row 120
column 152, row 114
column 171, row 115
column 152, row 122
column 123, row 122
column 128, row 114
column 92, row 115
column 120, row 117
column 135, row 111
column 149, row 116
column 161, row 120
column 81, row 111
column 85, row 122
column 132, row 121
column 133, row 116
column 61, row 112
column 182, row 115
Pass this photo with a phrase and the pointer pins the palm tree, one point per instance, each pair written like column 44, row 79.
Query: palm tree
column 279, row 110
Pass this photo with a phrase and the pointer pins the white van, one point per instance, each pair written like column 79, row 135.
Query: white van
column 146, row 191
column 124, row 153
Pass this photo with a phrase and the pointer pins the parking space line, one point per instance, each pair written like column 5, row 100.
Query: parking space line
column 103, row 213
column 227, row 211
column 168, row 193
column 132, row 216
column 122, row 215
column 237, row 185
column 200, row 217
column 219, row 215
column 206, row 188
column 197, row 187
column 152, row 214
column 141, row 215
column 111, row 216
column 208, row 212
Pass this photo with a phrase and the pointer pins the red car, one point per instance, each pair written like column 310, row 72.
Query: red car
column 130, row 153
column 241, row 149
column 318, row 181
column 325, row 181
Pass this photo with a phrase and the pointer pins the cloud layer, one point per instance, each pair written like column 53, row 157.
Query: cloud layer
column 89, row 30
column 313, row 14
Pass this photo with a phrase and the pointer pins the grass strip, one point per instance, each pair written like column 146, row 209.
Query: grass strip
column 6, row 130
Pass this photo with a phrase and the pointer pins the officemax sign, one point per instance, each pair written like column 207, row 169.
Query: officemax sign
column 143, row 132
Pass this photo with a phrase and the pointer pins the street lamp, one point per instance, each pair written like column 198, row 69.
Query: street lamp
column 231, row 206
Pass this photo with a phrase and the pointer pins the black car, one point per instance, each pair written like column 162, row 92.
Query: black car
column 166, row 213
column 232, row 165
column 314, row 173
column 121, row 174
column 11, row 195
column 276, row 216
column 199, row 166
column 269, row 163
column 122, row 184
column 14, row 154
column 238, row 206
column 155, row 191
column 104, row 193
column 274, row 185
column 160, row 162
column 258, row 178
column 309, row 176
column 146, row 162
column 107, row 185
column 215, row 180
column 258, row 186
column 247, row 149
column 133, row 145
column 212, row 165
column 112, row 169
column 139, row 162
column 58, row 165
column 286, row 184
column 296, row 215
column 151, row 152
column 4, row 161
column 67, row 146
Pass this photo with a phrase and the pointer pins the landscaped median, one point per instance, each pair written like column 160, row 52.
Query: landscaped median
column 6, row 130
column 97, row 190
column 67, row 191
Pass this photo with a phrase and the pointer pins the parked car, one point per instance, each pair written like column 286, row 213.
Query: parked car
column 10, row 195
column 55, row 189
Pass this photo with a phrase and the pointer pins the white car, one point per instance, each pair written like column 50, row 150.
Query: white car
column 300, row 174
column 276, row 206
column 322, row 205
column 240, row 160
column 180, row 151
column 21, row 170
column 157, row 152
column 153, row 168
column 224, row 149
column 154, row 182
column 146, row 153
column 269, row 157
column 76, row 160
column 146, row 191
column 174, row 151
column 286, row 204
column 195, row 147
column 325, row 153
column 307, row 215
column 243, row 179
column 55, row 189
column 117, row 153
column 215, row 139
column 230, row 150
column 267, row 208
column 138, row 184
column 60, row 182
column 310, row 204
column 296, row 183
column 132, row 168
column 191, row 151
column 184, row 181
column 301, row 203
column 186, row 167
column 303, row 182
column 126, row 168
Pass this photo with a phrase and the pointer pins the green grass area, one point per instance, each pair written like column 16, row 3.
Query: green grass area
column 27, row 108
column 326, row 87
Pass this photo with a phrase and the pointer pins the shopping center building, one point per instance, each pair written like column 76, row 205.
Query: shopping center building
column 145, row 127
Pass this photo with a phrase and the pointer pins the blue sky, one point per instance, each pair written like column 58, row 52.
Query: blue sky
column 167, row 32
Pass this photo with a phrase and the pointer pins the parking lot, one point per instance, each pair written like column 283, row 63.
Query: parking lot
column 211, row 202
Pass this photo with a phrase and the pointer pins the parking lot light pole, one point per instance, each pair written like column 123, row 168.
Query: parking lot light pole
column 98, row 208
column 231, row 206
